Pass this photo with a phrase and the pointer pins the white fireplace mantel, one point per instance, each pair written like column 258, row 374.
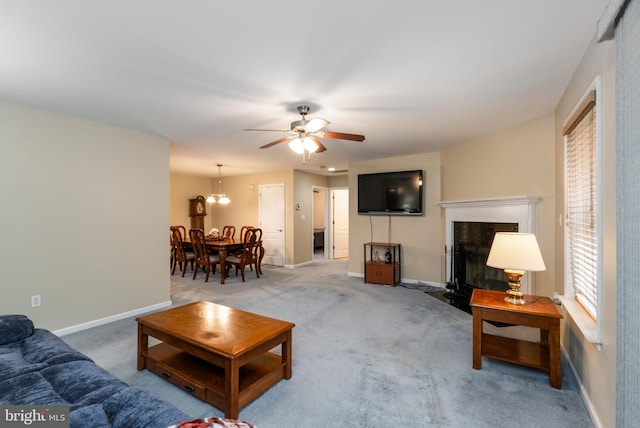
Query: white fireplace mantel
column 517, row 209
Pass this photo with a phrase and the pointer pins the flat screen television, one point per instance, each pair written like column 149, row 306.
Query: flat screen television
column 390, row 193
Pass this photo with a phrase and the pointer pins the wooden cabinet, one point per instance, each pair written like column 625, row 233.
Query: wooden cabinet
column 382, row 263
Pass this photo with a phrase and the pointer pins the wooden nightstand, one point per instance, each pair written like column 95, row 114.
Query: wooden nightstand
column 538, row 312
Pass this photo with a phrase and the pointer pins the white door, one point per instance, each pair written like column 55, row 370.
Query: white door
column 271, row 217
column 340, row 214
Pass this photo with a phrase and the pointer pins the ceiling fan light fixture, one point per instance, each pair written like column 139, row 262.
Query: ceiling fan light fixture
column 297, row 145
column 310, row 145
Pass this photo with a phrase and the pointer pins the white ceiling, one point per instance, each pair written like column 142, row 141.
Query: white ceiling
column 412, row 76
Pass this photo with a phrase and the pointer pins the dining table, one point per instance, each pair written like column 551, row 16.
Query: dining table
column 225, row 246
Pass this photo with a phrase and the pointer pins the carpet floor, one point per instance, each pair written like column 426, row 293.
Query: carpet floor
column 364, row 355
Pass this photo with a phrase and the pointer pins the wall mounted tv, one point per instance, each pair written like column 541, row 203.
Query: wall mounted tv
column 390, row 193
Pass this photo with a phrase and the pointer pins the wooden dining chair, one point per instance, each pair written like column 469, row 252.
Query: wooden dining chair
column 180, row 254
column 258, row 248
column 258, row 252
column 229, row 232
column 202, row 257
column 243, row 230
column 246, row 256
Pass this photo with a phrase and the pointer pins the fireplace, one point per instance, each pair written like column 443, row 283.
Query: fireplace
column 470, row 249
column 469, row 229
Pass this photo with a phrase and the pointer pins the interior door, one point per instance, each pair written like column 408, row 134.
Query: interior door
column 271, row 217
column 340, row 213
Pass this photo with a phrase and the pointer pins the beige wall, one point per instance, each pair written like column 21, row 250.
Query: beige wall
column 596, row 369
column 421, row 237
column 517, row 161
column 181, row 189
column 84, row 218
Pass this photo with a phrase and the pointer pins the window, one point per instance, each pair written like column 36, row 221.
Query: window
column 582, row 218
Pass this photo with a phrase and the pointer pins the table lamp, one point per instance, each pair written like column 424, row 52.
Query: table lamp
column 515, row 253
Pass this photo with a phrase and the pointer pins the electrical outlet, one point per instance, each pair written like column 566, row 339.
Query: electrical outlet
column 35, row 301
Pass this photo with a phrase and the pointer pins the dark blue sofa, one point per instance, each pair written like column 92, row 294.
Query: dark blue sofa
column 39, row 368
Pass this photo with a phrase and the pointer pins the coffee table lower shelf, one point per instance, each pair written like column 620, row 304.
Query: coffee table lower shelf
column 206, row 381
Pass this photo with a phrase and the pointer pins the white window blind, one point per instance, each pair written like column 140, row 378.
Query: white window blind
column 582, row 208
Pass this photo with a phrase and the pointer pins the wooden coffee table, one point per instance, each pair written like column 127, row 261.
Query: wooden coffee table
column 218, row 354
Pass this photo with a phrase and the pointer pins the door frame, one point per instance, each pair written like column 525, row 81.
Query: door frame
column 327, row 230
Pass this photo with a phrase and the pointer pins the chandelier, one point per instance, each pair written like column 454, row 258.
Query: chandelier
column 221, row 197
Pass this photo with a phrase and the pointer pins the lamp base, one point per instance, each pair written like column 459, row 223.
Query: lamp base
column 514, row 296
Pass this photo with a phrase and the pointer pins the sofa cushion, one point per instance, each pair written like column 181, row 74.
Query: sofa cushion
column 92, row 416
column 82, row 382
column 45, row 347
column 14, row 328
column 135, row 407
column 12, row 363
column 29, row 388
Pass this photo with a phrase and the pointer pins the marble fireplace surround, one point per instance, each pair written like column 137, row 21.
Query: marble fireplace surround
column 517, row 209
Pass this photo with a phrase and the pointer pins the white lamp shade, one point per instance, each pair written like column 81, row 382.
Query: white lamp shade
column 517, row 251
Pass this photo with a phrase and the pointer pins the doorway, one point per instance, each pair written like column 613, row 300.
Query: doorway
column 330, row 223
column 320, row 223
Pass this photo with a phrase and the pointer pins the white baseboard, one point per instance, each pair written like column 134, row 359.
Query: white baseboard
column 585, row 396
column 404, row 280
column 112, row 318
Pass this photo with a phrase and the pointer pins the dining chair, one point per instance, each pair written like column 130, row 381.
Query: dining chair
column 258, row 248
column 243, row 233
column 258, row 251
column 243, row 230
column 202, row 256
column 246, row 256
column 172, row 253
column 229, row 232
column 180, row 254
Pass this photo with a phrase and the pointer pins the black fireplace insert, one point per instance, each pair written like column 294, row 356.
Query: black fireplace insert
column 471, row 244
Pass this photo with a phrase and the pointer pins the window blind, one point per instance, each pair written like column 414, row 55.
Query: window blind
column 581, row 199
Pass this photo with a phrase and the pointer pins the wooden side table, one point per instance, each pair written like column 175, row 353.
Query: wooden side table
column 538, row 312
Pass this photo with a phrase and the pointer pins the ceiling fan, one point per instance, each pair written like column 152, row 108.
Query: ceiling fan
column 306, row 134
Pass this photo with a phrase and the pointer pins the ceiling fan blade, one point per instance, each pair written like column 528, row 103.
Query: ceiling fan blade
column 321, row 147
column 271, row 130
column 273, row 143
column 340, row 136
